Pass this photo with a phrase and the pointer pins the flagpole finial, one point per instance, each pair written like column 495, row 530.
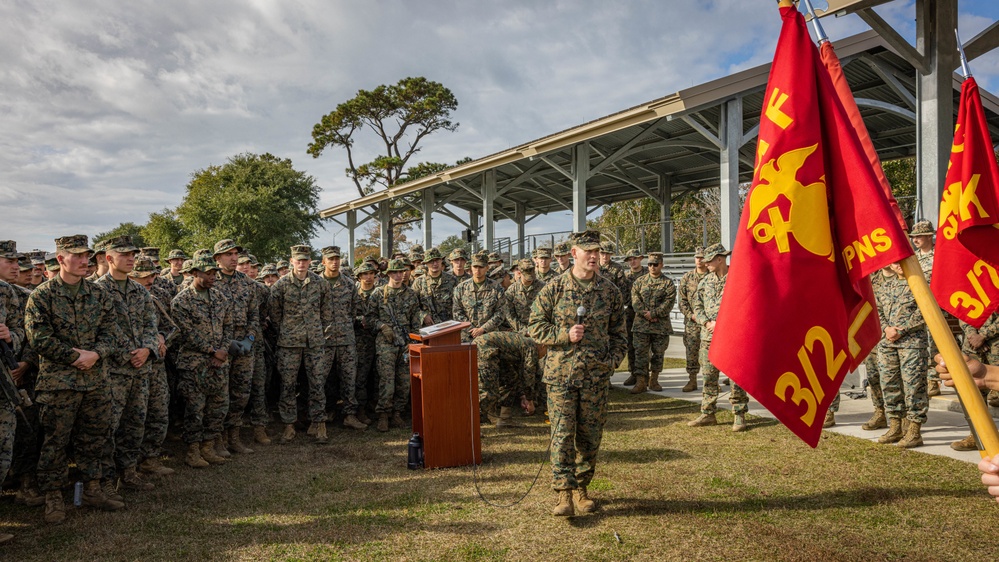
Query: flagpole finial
column 960, row 49
column 820, row 33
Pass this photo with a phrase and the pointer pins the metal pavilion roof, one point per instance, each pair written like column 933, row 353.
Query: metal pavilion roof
column 675, row 137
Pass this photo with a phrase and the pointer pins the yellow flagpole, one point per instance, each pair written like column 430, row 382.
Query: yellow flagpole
column 971, row 397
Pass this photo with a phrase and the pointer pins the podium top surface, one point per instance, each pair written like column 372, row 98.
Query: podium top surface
column 442, row 333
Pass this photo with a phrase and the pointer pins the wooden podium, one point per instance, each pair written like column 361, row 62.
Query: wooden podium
column 444, row 379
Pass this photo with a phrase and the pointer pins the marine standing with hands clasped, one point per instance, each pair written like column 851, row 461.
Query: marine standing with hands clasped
column 580, row 317
column 652, row 298
column 687, row 293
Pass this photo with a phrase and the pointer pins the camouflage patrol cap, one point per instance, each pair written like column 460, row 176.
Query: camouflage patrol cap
column 416, row 256
column 253, row 259
column 75, row 244
column 480, row 259
column 715, row 250
column 203, row 252
column 607, row 247
column 408, row 263
column 415, row 249
column 24, row 263
column 177, row 254
column 494, row 257
column 51, row 263
column 562, row 249
column 99, row 247
column 243, row 258
column 398, row 252
column 544, row 252
column 204, row 265
column 122, row 244
column 655, row 257
column 699, row 252
column 223, row 246
column 922, row 228
column 301, row 252
column 268, row 269
column 187, row 266
column 397, row 265
column 331, row 252
column 151, row 252
column 8, row 249
column 587, row 240
column 497, row 273
column 366, row 267
column 458, row 254
column 281, row 264
column 433, row 254
column 634, row 253
column 525, row 266
column 144, row 267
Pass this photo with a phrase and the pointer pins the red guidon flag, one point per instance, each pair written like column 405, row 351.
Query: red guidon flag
column 965, row 262
column 797, row 313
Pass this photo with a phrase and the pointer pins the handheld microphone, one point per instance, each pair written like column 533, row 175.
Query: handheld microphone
column 580, row 313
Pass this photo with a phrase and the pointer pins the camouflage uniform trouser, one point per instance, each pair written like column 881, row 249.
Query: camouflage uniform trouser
column 365, row 368
column 874, row 379
column 8, row 427
column 629, row 317
column 258, row 388
column 903, row 383
column 342, row 361
column 240, row 380
column 27, row 441
column 931, row 372
column 206, row 396
column 129, row 400
column 289, row 360
column 692, row 343
column 81, row 415
column 709, row 397
column 508, row 368
column 649, row 351
column 157, row 413
column 393, row 378
column 578, row 414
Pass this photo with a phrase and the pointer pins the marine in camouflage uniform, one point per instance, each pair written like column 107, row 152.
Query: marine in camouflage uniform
column 341, row 347
column 393, row 312
column 543, row 264
column 13, row 325
column 203, row 316
column 706, row 305
column 902, row 361
column 263, row 359
column 135, row 315
column 480, row 303
column 686, row 293
column 364, row 338
column 459, row 255
column 301, row 308
column 561, row 254
column 436, row 293
column 577, row 374
column 241, row 292
column 878, row 419
column 922, row 238
column 634, row 259
column 652, row 297
column 72, row 388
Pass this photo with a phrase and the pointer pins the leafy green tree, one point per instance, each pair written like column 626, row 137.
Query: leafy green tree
column 258, row 200
column 450, row 243
column 166, row 231
column 901, row 175
column 123, row 229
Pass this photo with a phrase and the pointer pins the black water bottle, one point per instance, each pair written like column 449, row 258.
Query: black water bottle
column 415, row 459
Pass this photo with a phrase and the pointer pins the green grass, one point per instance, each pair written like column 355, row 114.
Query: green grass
column 667, row 492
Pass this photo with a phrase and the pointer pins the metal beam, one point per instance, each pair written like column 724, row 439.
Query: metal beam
column 915, row 57
column 982, row 43
column 488, row 204
column 449, row 213
column 429, row 206
column 520, row 220
column 887, row 107
column 892, row 81
column 385, row 233
column 556, row 167
column 580, row 175
column 523, row 176
column 730, row 129
column 665, row 214
column 703, row 131
column 473, row 225
column 351, row 228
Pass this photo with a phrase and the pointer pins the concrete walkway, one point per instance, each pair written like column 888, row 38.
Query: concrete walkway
column 944, row 423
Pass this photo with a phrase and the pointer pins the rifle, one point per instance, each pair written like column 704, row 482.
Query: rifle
column 400, row 341
column 19, row 398
column 433, row 306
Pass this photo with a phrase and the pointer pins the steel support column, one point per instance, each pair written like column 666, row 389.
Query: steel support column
column 665, row 214
column 473, row 225
column 384, row 229
column 580, row 175
column 521, row 211
column 488, row 200
column 730, row 134
column 351, row 227
column 429, row 204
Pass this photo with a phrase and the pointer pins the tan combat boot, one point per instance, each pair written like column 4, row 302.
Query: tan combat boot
column 894, row 433
column 110, row 488
column 583, row 501
column 739, row 422
column 351, row 422
column 640, row 386
column 654, row 382
column 93, row 496
column 966, row 444
column 933, row 388
column 152, row 465
column 630, row 381
column 877, row 421
column 363, row 417
column 311, row 432
column 236, row 444
column 912, row 437
column 132, row 479
column 193, row 458
column 55, row 511
column 383, row 424
column 691, row 384
column 27, row 494
column 289, row 433
column 830, row 419
column 260, row 435
column 993, row 398
column 220, row 446
column 397, row 421
column 321, row 436
column 209, row 453
column 703, row 420
column 563, row 504
column 506, row 418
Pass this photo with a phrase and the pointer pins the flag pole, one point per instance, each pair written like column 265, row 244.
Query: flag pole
column 820, row 34
column 968, row 392
column 964, row 59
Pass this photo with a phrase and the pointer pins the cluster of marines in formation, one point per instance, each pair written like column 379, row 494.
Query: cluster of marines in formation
column 114, row 351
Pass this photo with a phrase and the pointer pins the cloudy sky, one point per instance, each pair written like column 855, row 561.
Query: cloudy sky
column 108, row 107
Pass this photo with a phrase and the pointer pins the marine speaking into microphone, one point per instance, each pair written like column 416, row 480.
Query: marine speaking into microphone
column 578, row 368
